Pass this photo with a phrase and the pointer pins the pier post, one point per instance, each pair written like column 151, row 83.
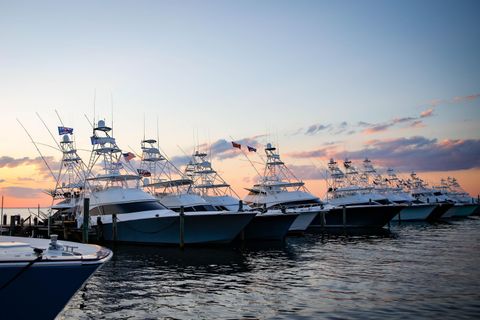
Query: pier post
column 114, row 226
column 2, row 223
column 344, row 216
column 86, row 219
column 12, row 225
column 182, row 227
column 322, row 217
column 240, row 206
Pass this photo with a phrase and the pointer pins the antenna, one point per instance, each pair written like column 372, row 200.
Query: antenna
column 111, row 105
column 144, row 126
column 158, row 134
column 94, row 100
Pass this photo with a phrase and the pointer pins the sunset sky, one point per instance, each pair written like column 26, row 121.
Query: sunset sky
column 395, row 81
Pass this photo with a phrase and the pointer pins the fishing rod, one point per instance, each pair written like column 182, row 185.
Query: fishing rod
column 38, row 150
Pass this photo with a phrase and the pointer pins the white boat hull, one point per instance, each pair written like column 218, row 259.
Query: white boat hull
column 303, row 221
column 415, row 213
column 460, row 210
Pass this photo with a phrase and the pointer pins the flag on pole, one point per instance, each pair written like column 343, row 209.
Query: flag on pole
column 65, row 130
column 250, row 149
column 236, row 145
column 128, row 156
column 144, row 173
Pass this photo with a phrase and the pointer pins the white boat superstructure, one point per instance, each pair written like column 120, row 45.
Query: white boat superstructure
column 165, row 181
column 162, row 179
column 210, row 184
column 68, row 193
column 351, row 187
column 354, row 203
column 463, row 204
column 280, row 190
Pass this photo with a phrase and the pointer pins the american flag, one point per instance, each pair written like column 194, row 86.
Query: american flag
column 128, row 156
column 236, row 145
column 65, row 130
column 144, row 173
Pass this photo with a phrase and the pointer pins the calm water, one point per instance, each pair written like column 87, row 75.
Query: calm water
column 417, row 271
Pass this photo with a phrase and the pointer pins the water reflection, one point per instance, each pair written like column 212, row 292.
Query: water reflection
column 413, row 270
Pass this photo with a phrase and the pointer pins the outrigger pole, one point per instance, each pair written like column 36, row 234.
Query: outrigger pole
column 38, row 150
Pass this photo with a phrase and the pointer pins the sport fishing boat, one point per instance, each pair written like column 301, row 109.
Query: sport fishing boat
column 390, row 187
column 352, row 205
column 125, row 213
column 266, row 225
column 68, row 193
column 280, row 191
column 211, row 186
column 163, row 180
column 419, row 189
column 38, row 277
column 463, row 204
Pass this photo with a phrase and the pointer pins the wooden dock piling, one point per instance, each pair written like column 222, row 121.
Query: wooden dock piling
column 182, row 227
column 86, row 219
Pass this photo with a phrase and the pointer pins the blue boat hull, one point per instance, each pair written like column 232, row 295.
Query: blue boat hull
column 439, row 211
column 40, row 291
column 271, row 227
column 198, row 229
column 364, row 217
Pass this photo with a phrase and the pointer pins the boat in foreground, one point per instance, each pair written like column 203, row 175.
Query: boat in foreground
column 38, row 277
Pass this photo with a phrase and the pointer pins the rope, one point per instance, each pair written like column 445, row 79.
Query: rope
column 19, row 273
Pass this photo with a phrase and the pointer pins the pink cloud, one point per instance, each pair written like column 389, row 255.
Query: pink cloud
column 466, row 98
column 318, row 153
column 426, row 113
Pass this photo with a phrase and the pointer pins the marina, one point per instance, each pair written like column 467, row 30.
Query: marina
column 416, row 271
column 241, row 160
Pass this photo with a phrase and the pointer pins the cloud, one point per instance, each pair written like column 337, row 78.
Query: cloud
column 426, row 113
column 2, row 180
column 316, row 128
column 417, row 124
column 9, row 162
column 307, row 172
column 363, row 124
column 377, row 128
column 309, row 154
column 38, row 162
column 404, row 119
column 22, row 192
column 221, row 149
column 471, row 97
column 25, row 179
column 422, row 154
column 179, row 161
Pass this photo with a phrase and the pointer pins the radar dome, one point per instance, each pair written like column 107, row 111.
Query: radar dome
column 146, row 181
column 66, row 138
column 101, row 123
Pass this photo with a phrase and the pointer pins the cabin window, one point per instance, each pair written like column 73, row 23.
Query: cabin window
column 129, row 207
